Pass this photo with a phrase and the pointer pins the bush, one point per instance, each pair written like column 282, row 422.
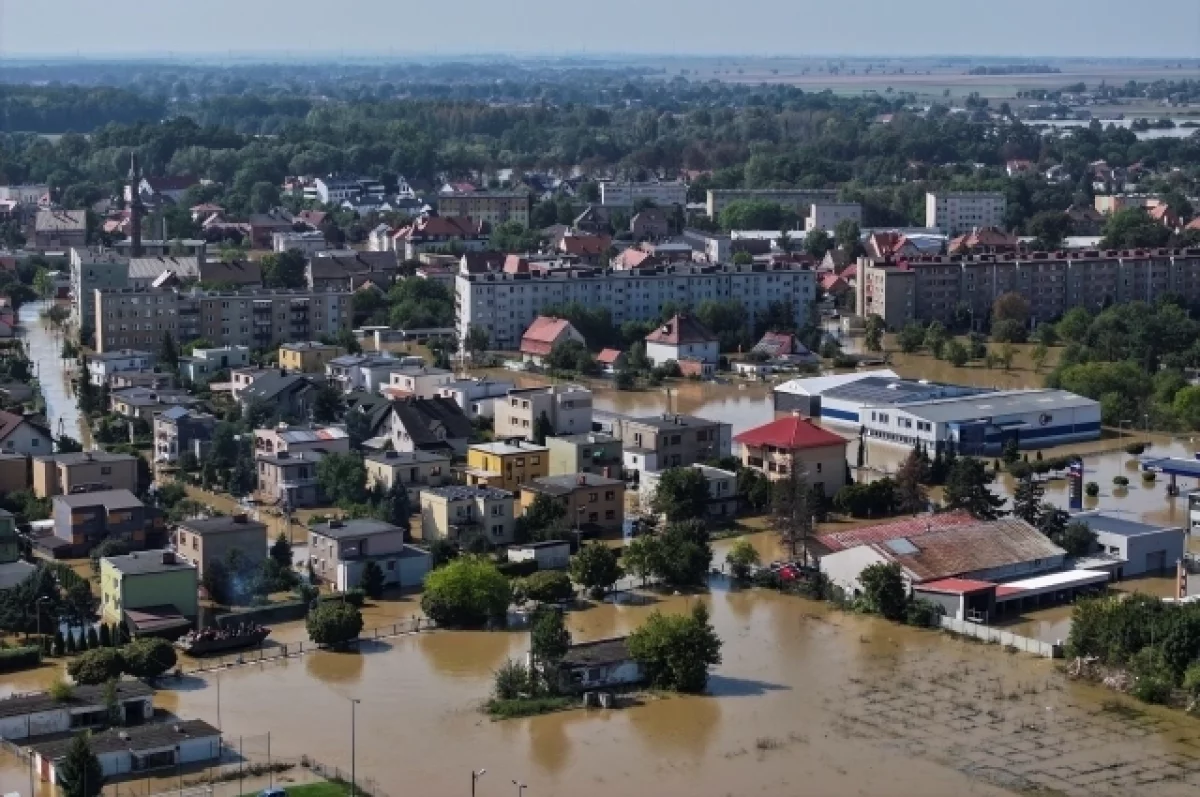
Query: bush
column 334, row 623
column 1135, row 449
column 548, row 586
column 510, row 681
column 518, row 569
column 1191, row 681
column 468, row 592
column 149, row 657
column 1092, row 489
column 1149, row 476
column 19, row 658
column 97, row 666
column 922, row 613
column 676, row 650
column 1121, row 481
column 61, row 691
column 355, row 597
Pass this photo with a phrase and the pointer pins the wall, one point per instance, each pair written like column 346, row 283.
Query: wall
column 27, row 440
column 994, row 635
column 177, row 588
column 404, row 572
column 844, row 567
column 1135, row 549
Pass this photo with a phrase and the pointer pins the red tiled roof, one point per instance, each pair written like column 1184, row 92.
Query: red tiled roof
column 542, row 334
column 681, row 330
column 1003, row 589
column 585, row 244
column 909, row 527
column 791, row 433
column 956, row 586
column 849, row 272
column 982, row 545
column 608, row 356
column 444, row 226
column 632, row 258
column 832, row 282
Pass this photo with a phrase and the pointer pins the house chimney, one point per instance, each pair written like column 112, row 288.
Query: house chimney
column 168, row 557
column 581, row 480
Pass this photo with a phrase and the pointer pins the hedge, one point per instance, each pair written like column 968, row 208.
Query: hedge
column 354, row 597
column 19, row 658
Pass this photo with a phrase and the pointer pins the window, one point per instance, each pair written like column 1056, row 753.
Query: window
column 609, row 495
column 593, row 497
column 498, row 530
column 391, row 565
column 610, row 514
column 535, row 460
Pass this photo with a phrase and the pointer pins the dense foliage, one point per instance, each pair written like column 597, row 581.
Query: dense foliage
column 676, row 650
column 467, row 592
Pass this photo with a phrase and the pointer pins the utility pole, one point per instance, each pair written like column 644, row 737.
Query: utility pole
column 353, row 768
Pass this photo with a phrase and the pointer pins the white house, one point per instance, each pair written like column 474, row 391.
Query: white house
column 601, row 664
column 136, row 749
column 549, row 555
column 476, row 397
column 340, row 550
column 39, row 714
column 417, row 381
column 200, row 367
column 369, row 372
column 308, row 242
column 682, row 338
column 103, row 365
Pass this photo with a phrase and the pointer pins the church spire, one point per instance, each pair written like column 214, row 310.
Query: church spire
column 136, row 208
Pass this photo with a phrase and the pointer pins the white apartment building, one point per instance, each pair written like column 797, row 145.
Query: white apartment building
column 334, row 190
column 958, row 212
column 569, row 408
column 625, row 194
column 24, row 194
column 417, row 381
column 827, row 215
column 506, row 304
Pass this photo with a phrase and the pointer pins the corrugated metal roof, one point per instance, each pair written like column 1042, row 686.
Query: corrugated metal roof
column 968, row 549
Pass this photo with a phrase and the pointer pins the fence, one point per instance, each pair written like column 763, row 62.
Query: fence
column 285, row 650
column 997, row 636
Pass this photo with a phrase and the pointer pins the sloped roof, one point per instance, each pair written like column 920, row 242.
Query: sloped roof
column 271, row 385
column 956, row 551
column 238, row 272
column 441, row 226
column 909, row 527
column 8, row 423
column 778, row 344
column 584, row 245
column 791, row 433
column 681, row 330
column 609, row 356
column 420, row 417
column 543, row 333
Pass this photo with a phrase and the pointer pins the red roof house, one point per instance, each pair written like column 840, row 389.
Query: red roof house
column 683, row 337
column 611, row 359
column 544, row 334
column 795, row 443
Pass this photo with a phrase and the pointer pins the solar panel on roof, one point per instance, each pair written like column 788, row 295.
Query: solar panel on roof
column 901, row 546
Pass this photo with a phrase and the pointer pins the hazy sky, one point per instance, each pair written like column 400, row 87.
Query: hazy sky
column 782, row 27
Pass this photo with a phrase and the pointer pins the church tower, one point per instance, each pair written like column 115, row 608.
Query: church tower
column 136, row 208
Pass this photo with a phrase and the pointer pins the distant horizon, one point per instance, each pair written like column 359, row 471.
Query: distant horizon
column 634, row 28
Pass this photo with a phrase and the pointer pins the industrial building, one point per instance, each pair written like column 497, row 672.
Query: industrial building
column 842, row 398
column 982, row 424
column 1141, row 549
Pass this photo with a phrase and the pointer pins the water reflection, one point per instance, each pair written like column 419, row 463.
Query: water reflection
column 676, row 725
column 343, row 669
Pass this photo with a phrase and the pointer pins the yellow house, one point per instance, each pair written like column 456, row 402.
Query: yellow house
column 307, row 357
column 506, row 465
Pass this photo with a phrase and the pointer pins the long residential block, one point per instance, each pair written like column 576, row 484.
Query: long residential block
column 256, row 318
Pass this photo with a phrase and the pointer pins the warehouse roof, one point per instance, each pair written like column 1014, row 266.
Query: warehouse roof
column 885, row 390
column 1008, row 402
column 968, row 549
column 1111, row 524
column 818, row 385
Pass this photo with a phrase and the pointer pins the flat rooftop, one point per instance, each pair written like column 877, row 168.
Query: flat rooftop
column 991, row 405
column 145, row 562
column 884, row 390
column 506, row 448
column 1122, row 527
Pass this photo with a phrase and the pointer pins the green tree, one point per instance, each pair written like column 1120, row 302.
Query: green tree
column 148, row 657
column 595, row 567
column 676, row 651
column 638, row 557
column 683, row 554
column 328, row 404
column 874, row 329
column 1077, row 539
column 343, row 478
column 1040, row 353
column 742, row 557
column 168, row 352
column 742, row 258
column 466, row 592
column 1027, row 499
column 96, row 666
column 956, row 353
column 817, row 243
column 334, row 623
column 549, row 639
column 883, row 590
column 911, row 337
column 911, row 496
column 1050, row 227
column 371, row 581
column 281, row 551
column 1074, row 325
column 80, row 773
column 1132, row 228
column 476, row 342
column 848, row 236
column 967, row 489
column 542, row 428
column 1009, row 331
column 935, row 339
column 682, row 494
column 284, row 269
column 548, row 586
column 543, row 519
column 791, row 514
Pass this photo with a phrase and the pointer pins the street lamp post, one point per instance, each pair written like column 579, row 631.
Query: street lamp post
column 353, row 771
column 521, row 787
column 475, row 776
column 37, row 611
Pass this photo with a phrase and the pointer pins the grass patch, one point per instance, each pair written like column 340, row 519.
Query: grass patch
column 1122, row 710
column 528, row 706
column 327, row 788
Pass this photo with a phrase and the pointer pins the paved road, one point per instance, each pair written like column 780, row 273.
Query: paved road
column 45, row 346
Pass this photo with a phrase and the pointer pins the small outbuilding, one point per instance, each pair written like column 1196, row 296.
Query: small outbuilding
column 601, row 664
column 1147, row 549
column 135, row 750
column 549, row 555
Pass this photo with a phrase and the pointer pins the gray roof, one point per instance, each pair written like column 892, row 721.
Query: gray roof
column 569, row 483
column 401, row 458
column 585, row 438
column 134, row 738
column 81, row 696
column 13, row 573
column 459, row 492
column 291, row 457
column 989, row 405
column 220, row 525
column 83, row 457
column 307, row 345
column 151, row 267
column 61, row 221
column 360, row 527
column 1111, row 524
column 601, row 651
column 143, row 562
column 109, row 499
column 120, row 354
column 882, row 390
column 271, row 385
column 667, row 421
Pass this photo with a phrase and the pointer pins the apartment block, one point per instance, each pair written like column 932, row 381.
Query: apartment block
column 207, row 540
column 668, row 440
column 258, row 319
column 461, row 513
column 957, row 212
column 92, row 270
column 828, row 215
column 593, row 504
column 625, row 194
column 506, row 464
column 493, row 207
column 928, row 288
column 590, row 452
column 505, row 304
column 799, row 200
column 568, row 407
column 81, row 471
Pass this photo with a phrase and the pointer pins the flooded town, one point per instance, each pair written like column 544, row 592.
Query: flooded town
column 689, row 425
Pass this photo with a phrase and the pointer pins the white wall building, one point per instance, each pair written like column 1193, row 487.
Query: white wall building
column 551, row 555
column 625, row 194
column 827, row 215
column 102, row 366
column 25, row 194
column 335, row 189
column 504, row 305
column 569, row 408
column 307, row 242
column 417, row 381
column 958, row 212
column 476, row 397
